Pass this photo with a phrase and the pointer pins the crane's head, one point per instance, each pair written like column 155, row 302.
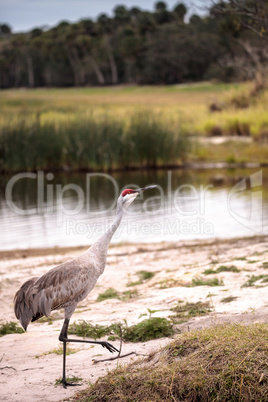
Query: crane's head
column 128, row 196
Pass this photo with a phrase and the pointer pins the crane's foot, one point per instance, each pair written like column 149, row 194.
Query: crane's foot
column 65, row 384
column 108, row 346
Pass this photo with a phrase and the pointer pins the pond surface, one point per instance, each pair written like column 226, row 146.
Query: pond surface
column 46, row 210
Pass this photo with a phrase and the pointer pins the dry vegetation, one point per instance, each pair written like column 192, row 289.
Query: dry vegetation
column 222, row 363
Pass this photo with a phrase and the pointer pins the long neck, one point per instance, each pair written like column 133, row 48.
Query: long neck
column 103, row 242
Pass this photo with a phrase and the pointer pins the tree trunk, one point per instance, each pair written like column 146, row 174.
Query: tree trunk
column 260, row 72
column 30, row 71
column 112, row 62
column 47, row 76
column 17, row 73
column 75, row 64
column 95, row 66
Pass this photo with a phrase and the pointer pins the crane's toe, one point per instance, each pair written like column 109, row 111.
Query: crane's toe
column 110, row 347
column 66, row 383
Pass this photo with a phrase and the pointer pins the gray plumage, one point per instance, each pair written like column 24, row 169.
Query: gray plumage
column 67, row 284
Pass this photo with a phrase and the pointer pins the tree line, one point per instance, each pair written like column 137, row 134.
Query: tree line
column 133, row 47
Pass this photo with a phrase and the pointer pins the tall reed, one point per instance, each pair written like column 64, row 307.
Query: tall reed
column 90, row 142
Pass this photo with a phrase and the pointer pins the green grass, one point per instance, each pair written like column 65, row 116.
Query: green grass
column 170, row 283
column 222, row 268
column 199, row 281
column 129, row 295
column 222, row 363
column 114, row 294
column 228, row 299
column 144, row 276
column 86, row 329
column 59, row 351
column 10, row 328
column 256, row 278
column 72, row 379
column 54, row 317
column 108, row 294
column 185, row 311
column 151, row 328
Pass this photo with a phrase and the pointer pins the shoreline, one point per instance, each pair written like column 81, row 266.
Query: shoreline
column 43, row 251
column 179, row 166
column 31, row 359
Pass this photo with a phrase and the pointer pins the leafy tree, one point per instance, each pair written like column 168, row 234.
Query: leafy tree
column 180, row 11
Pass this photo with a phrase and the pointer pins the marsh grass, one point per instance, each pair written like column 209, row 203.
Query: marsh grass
column 222, row 363
column 10, row 327
column 90, row 142
column 118, row 128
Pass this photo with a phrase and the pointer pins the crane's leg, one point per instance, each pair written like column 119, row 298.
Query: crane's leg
column 64, row 338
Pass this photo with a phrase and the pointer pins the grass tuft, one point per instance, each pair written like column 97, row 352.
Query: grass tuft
column 228, row 299
column 72, row 379
column 50, row 319
column 199, row 281
column 114, row 294
column 10, row 328
column 86, row 329
column 255, row 278
column 222, row 268
column 108, row 294
column 151, row 328
column 59, row 351
column 188, row 310
column 144, row 276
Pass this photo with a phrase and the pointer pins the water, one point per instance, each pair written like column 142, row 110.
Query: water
column 46, row 210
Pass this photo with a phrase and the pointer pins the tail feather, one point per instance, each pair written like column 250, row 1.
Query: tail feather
column 23, row 303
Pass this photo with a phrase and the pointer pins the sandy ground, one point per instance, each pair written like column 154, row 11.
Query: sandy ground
column 28, row 371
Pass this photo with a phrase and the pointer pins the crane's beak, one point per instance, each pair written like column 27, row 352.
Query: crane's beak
column 141, row 190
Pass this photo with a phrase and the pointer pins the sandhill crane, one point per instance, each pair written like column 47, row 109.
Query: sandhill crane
column 67, row 284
